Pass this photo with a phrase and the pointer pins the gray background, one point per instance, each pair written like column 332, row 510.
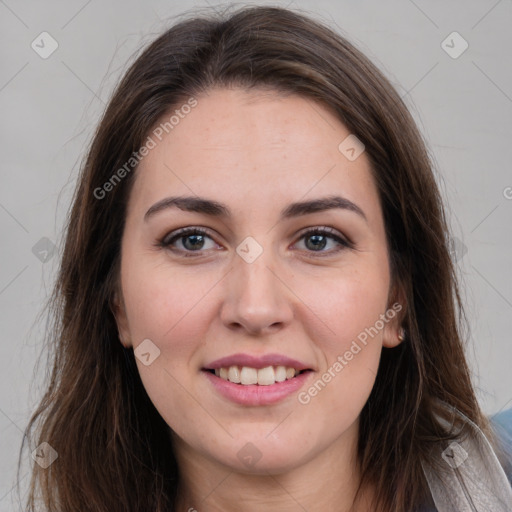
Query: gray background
column 49, row 108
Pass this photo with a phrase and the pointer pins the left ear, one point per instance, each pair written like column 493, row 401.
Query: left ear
column 395, row 313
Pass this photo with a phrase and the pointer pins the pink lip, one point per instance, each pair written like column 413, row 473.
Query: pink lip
column 255, row 394
column 256, row 362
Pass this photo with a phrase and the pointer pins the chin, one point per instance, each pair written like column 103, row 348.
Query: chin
column 274, row 464
column 261, row 455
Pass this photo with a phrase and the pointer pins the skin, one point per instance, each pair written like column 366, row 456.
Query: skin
column 257, row 152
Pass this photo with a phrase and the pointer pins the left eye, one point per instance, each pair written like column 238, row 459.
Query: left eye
column 193, row 240
column 319, row 237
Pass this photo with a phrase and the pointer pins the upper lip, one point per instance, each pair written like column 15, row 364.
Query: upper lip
column 256, row 362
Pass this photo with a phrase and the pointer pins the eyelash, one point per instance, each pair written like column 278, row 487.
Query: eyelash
column 168, row 240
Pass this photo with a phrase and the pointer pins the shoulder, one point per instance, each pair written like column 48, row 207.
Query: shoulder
column 502, row 425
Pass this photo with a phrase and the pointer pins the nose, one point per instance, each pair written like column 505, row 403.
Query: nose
column 257, row 297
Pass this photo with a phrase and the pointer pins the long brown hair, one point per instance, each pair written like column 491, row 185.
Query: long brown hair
column 113, row 449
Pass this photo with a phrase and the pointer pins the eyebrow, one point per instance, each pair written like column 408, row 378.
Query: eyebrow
column 216, row 209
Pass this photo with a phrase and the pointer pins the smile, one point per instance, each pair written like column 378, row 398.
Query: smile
column 252, row 380
column 246, row 375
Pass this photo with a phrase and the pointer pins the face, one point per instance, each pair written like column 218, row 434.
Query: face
column 266, row 289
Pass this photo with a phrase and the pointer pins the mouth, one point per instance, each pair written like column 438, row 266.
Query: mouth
column 249, row 376
column 257, row 380
column 256, row 386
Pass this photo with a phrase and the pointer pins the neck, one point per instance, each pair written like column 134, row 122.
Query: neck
column 327, row 481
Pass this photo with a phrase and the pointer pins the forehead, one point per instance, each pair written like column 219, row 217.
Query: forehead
column 252, row 148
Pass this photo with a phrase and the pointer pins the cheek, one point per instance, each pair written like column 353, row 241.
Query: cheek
column 347, row 306
column 172, row 310
column 350, row 342
column 166, row 305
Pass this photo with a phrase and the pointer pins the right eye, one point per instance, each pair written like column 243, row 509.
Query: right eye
column 192, row 240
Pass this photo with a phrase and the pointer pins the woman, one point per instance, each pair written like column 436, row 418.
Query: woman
column 256, row 307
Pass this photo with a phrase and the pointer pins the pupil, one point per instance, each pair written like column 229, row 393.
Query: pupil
column 316, row 245
column 197, row 244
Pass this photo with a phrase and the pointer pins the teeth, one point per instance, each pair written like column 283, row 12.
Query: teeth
column 266, row 376
column 248, row 376
column 263, row 377
column 234, row 374
column 280, row 373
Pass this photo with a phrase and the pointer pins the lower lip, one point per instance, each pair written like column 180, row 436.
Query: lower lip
column 255, row 394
